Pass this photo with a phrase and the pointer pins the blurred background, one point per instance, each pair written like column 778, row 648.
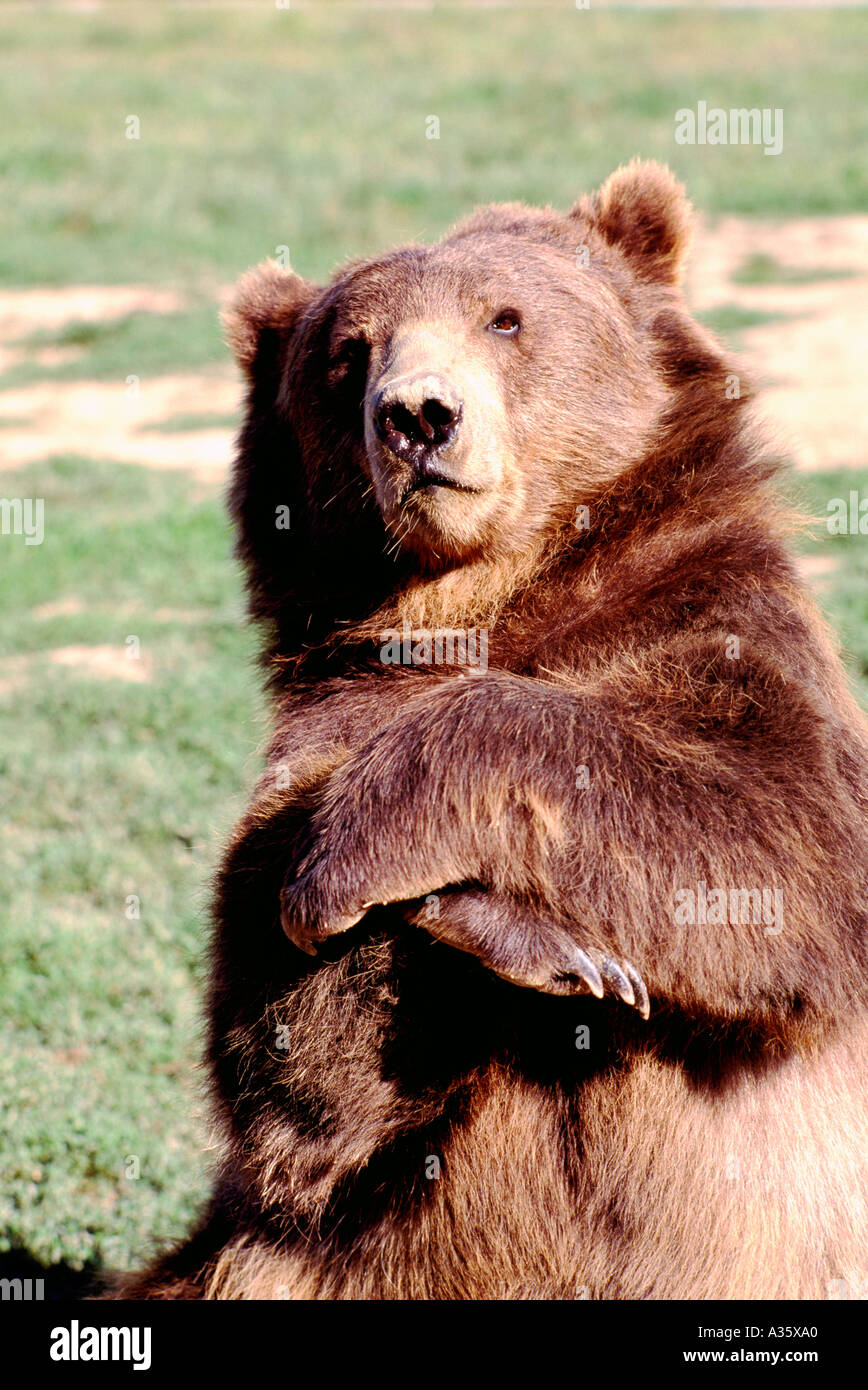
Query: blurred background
column 150, row 153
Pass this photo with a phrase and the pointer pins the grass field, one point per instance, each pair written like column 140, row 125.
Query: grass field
column 307, row 129
column 261, row 129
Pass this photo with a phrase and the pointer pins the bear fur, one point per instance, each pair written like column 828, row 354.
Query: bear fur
column 543, row 976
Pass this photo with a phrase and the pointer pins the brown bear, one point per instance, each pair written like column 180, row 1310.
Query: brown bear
column 540, row 956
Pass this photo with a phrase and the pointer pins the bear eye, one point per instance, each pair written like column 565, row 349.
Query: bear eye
column 349, row 363
column 507, row 323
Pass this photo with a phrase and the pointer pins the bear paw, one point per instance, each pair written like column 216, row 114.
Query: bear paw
column 524, row 947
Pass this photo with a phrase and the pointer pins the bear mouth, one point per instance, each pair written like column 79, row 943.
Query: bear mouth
column 431, row 478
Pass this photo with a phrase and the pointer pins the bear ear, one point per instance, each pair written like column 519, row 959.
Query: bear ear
column 263, row 312
column 642, row 209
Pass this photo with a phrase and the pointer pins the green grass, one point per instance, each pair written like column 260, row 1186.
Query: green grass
column 730, row 320
column 260, row 129
column 762, row 269
column 143, row 343
column 117, row 789
column 845, row 594
column 306, row 128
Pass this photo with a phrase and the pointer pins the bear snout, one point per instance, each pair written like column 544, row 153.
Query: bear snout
column 418, row 416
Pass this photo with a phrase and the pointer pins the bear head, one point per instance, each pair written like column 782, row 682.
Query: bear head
column 450, row 404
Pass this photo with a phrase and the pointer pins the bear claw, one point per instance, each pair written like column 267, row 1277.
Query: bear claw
column 641, row 1000
column 582, row 965
column 625, row 981
column 601, row 974
column 617, row 980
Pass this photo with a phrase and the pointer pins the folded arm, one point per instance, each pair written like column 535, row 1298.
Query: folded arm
column 599, row 810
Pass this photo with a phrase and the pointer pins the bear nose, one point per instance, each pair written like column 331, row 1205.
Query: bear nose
column 418, row 416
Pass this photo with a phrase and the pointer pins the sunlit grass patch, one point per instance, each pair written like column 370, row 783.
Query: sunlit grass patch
column 762, row 269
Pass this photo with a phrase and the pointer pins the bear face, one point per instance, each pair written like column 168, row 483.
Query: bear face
column 457, row 401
